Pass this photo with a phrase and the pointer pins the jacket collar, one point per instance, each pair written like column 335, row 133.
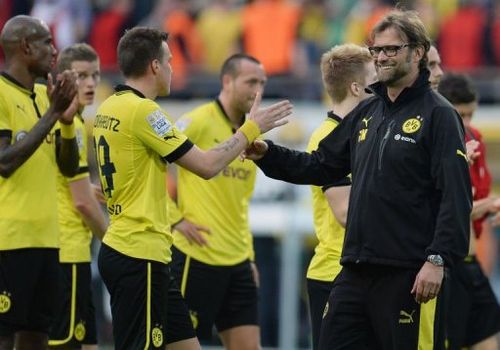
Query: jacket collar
column 418, row 87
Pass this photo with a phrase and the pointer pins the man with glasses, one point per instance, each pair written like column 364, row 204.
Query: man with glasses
column 410, row 198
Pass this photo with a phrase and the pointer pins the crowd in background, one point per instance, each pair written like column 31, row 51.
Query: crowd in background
column 287, row 36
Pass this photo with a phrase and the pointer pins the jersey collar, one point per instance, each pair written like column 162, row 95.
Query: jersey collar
column 10, row 79
column 123, row 87
column 219, row 103
column 334, row 116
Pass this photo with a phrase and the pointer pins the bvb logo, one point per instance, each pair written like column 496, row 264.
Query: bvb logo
column 5, row 303
column 325, row 311
column 80, row 331
column 411, row 125
column 157, row 336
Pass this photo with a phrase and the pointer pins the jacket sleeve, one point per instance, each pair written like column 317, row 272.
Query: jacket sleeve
column 328, row 164
column 450, row 172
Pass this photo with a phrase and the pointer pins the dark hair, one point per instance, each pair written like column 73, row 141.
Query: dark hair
column 230, row 65
column 137, row 48
column 75, row 52
column 457, row 88
column 409, row 26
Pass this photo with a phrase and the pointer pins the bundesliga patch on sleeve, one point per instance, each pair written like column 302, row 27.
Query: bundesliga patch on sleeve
column 159, row 123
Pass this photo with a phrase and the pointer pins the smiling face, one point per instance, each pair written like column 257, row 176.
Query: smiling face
column 391, row 70
column 88, row 77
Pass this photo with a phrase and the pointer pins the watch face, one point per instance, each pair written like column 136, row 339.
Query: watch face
column 435, row 260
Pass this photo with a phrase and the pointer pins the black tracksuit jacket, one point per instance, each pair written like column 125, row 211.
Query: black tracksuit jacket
column 411, row 191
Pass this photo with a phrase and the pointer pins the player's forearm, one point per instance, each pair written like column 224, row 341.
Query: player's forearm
column 219, row 157
column 13, row 156
column 93, row 218
column 482, row 207
column 67, row 155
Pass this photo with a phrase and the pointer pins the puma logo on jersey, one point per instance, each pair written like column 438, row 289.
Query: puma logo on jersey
column 21, row 108
column 405, row 317
column 366, row 121
column 460, row 153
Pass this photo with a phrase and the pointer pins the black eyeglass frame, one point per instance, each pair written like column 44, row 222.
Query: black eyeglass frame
column 389, row 50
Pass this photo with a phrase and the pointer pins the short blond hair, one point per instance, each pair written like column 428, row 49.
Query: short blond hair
column 341, row 66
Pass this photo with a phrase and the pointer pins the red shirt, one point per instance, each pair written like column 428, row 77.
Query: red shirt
column 480, row 175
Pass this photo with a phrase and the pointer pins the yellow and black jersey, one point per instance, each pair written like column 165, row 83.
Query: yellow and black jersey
column 75, row 236
column 28, row 206
column 133, row 138
column 221, row 203
column 325, row 264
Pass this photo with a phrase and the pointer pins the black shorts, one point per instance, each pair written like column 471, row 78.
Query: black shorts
column 474, row 313
column 318, row 292
column 75, row 322
column 370, row 307
column 147, row 307
column 222, row 295
column 28, row 289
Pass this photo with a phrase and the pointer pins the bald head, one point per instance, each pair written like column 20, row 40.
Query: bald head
column 21, row 28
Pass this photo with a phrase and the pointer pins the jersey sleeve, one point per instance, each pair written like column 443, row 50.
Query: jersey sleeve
column 450, row 172
column 5, row 122
column 155, row 129
column 82, row 142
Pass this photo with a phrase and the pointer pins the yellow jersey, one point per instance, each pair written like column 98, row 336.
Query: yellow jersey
column 28, row 212
column 325, row 264
column 75, row 237
column 221, row 203
column 133, row 139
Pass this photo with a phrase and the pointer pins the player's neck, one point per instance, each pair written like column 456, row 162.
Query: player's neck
column 144, row 86
column 235, row 116
column 21, row 75
column 345, row 106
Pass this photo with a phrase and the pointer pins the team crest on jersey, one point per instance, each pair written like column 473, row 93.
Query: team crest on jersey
column 182, row 124
column 412, row 125
column 5, row 302
column 80, row 331
column 159, row 122
column 20, row 135
column 157, row 337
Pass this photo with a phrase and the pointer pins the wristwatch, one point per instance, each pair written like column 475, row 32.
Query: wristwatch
column 435, row 259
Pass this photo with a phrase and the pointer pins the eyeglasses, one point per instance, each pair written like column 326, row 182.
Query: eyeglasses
column 389, row 50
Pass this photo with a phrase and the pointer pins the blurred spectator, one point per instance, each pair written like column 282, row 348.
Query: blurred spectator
column 313, row 29
column 495, row 33
column 461, row 38
column 107, row 28
column 270, row 30
column 362, row 18
column 219, row 27
column 184, row 42
column 156, row 18
column 68, row 20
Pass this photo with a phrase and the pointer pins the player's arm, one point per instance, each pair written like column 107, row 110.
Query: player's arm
column 338, row 200
column 193, row 232
column 207, row 164
column 87, row 205
column 62, row 98
column 12, row 156
column 483, row 206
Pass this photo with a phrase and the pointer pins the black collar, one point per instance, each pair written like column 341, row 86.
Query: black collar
column 14, row 81
column 123, row 87
column 334, row 116
column 219, row 103
column 418, row 87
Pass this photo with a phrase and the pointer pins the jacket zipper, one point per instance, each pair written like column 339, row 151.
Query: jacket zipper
column 384, row 142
